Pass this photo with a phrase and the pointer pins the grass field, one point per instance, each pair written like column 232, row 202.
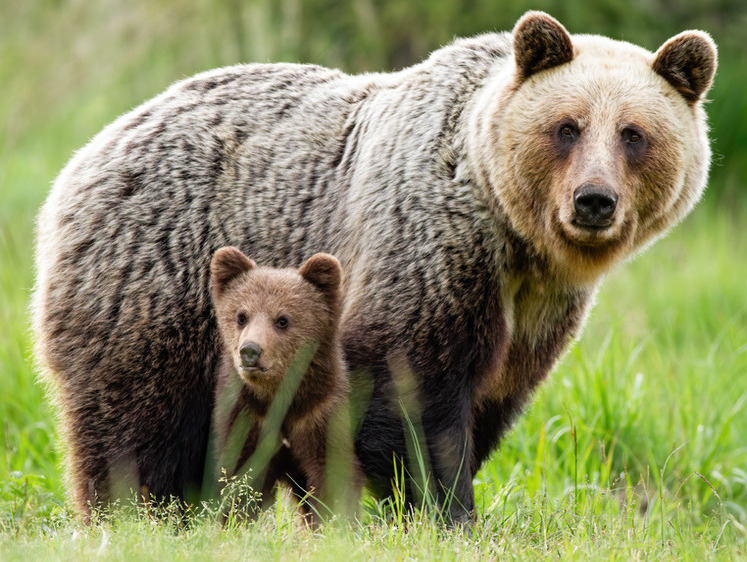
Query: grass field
column 636, row 448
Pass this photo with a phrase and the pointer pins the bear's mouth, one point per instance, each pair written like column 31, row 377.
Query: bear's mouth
column 596, row 227
column 587, row 234
column 256, row 369
column 577, row 232
column 255, row 376
column 594, row 241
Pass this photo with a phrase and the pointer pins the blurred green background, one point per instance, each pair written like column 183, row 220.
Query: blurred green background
column 664, row 359
column 69, row 66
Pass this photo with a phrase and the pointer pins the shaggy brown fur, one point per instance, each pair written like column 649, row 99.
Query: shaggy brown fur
column 278, row 324
column 475, row 201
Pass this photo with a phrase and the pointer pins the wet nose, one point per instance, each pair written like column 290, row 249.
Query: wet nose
column 595, row 205
column 250, row 353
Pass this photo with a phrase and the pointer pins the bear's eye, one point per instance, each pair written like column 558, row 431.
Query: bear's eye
column 282, row 322
column 635, row 143
column 241, row 318
column 567, row 133
column 564, row 137
column 631, row 136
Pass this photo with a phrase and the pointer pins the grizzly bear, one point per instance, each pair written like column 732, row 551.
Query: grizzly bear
column 281, row 350
column 474, row 200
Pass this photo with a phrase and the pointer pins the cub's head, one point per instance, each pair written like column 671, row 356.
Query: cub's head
column 594, row 147
column 266, row 316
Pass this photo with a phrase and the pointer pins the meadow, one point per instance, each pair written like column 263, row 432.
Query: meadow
column 635, row 448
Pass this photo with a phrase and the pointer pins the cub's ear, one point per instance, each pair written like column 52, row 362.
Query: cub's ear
column 688, row 62
column 324, row 272
column 228, row 263
column 540, row 42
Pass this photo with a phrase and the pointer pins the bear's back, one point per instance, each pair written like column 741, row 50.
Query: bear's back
column 260, row 156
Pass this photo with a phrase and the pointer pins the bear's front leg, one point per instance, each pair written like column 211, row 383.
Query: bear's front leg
column 308, row 449
column 447, row 426
column 431, row 410
column 415, row 441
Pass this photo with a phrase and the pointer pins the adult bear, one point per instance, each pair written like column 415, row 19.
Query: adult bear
column 474, row 201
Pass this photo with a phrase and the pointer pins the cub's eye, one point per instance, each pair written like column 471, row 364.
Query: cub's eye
column 241, row 319
column 282, row 322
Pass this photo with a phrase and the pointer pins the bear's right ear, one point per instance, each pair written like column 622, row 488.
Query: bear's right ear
column 228, row 263
column 325, row 273
column 688, row 62
column 540, row 42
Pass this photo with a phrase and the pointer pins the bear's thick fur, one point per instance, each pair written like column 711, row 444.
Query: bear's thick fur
column 474, row 200
column 281, row 349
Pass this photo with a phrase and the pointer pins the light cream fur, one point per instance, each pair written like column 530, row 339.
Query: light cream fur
column 608, row 86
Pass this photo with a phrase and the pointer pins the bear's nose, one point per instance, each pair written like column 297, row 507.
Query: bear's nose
column 595, row 205
column 250, row 353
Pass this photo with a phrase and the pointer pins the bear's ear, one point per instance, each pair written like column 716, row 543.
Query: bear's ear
column 228, row 263
column 688, row 62
column 540, row 42
column 324, row 272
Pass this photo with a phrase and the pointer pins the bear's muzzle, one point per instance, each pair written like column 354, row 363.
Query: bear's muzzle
column 594, row 205
column 250, row 353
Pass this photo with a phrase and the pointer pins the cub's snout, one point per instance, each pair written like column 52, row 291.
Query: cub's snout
column 250, row 353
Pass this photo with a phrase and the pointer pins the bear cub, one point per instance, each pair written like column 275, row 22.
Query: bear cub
column 281, row 399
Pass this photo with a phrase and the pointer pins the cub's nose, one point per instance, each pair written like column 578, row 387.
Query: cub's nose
column 595, row 205
column 250, row 353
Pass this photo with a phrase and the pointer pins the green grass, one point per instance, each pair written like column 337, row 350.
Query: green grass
column 635, row 448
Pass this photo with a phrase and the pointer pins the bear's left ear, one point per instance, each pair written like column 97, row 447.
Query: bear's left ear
column 324, row 272
column 688, row 62
column 227, row 264
column 540, row 42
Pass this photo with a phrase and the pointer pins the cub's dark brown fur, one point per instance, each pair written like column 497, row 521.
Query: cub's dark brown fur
column 282, row 382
